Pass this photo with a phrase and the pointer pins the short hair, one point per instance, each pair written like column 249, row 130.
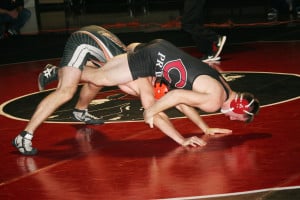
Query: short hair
column 253, row 108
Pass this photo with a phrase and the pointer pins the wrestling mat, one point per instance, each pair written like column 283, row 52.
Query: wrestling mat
column 115, row 106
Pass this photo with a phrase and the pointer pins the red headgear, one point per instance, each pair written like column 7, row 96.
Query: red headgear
column 160, row 89
column 240, row 105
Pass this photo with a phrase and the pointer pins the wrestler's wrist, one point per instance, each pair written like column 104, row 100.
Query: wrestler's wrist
column 206, row 131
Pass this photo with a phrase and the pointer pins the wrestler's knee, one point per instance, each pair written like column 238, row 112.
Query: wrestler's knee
column 66, row 93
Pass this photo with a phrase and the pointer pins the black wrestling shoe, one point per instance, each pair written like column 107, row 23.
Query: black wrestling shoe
column 210, row 58
column 86, row 117
column 216, row 50
column 24, row 145
column 218, row 45
column 272, row 14
column 49, row 74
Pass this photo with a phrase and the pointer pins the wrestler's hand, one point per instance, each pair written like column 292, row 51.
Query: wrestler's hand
column 219, row 131
column 148, row 118
column 193, row 141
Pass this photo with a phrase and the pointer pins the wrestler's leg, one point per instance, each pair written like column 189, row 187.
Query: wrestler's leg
column 67, row 86
column 87, row 94
column 129, row 88
column 114, row 72
column 88, row 90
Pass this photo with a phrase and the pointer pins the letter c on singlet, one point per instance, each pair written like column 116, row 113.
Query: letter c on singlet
column 176, row 65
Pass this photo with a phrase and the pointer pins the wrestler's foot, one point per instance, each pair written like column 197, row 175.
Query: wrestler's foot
column 208, row 58
column 49, row 74
column 86, row 117
column 217, row 49
column 24, row 145
column 218, row 45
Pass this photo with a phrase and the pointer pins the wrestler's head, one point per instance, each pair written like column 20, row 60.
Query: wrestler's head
column 243, row 107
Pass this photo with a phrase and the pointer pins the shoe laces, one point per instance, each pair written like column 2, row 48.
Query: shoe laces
column 27, row 144
column 88, row 116
column 84, row 115
column 24, row 142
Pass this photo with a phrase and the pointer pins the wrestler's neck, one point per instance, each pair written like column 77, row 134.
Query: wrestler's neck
column 226, row 103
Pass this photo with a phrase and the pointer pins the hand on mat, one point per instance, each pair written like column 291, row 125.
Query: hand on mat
column 193, row 141
column 217, row 131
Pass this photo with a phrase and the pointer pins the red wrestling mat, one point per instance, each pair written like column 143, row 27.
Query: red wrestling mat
column 131, row 161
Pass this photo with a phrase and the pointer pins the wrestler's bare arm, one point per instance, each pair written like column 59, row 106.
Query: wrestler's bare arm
column 195, row 117
column 179, row 96
column 185, row 100
column 161, row 120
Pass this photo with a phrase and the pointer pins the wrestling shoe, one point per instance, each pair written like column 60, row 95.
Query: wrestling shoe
column 298, row 12
column 208, row 58
column 272, row 14
column 49, row 74
column 86, row 117
column 23, row 143
column 216, row 50
column 12, row 32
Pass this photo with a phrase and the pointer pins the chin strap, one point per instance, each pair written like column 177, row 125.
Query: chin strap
column 239, row 105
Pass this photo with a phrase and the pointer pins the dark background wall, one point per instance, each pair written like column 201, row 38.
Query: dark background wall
column 141, row 20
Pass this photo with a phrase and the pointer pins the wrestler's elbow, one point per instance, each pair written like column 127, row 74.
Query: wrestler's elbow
column 211, row 107
column 158, row 117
